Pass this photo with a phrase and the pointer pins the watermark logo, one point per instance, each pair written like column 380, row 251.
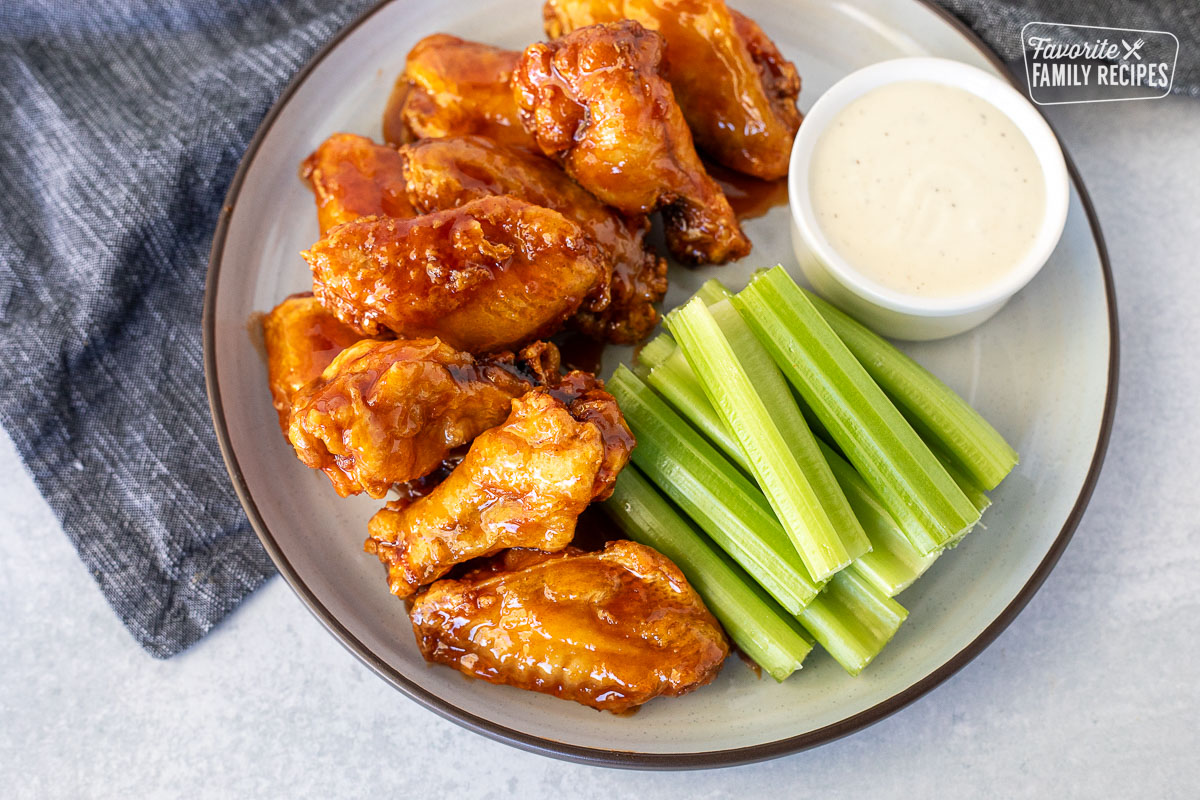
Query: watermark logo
column 1088, row 64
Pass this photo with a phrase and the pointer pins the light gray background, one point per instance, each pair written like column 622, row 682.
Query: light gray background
column 1091, row 692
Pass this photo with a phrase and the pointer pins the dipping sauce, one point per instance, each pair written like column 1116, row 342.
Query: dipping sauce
column 927, row 189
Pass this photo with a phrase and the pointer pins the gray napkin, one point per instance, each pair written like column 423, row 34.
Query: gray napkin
column 121, row 125
column 999, row 23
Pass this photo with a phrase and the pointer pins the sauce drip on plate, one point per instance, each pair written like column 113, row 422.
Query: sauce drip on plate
column 750, row 197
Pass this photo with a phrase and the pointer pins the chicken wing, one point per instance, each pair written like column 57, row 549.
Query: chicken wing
column 596, row 100
column 389, row 412
column 485, row 276
column 521, row 484
column 450, row 87
column 584, row 395
column 301, row 339
column 353, row 177
column 444, row 173
column 736, row 90
column 611, row 629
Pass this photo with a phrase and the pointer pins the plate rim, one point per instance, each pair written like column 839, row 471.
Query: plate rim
column 625, row 759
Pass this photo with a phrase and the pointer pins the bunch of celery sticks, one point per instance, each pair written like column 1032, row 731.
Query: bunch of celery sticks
column 799, row 469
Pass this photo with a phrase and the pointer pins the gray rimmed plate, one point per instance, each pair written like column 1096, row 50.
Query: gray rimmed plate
column 1043, row 370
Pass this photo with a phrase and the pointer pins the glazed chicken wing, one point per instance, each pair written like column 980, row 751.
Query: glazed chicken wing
column 597, row 101
column 485, row 276
column 611, row 629
column 522, row 484
column 388, row 412
column 584, row 395
column 301, row 339
column 450, row 87
column 737, row 92
column 353, row 177
column 444, row 173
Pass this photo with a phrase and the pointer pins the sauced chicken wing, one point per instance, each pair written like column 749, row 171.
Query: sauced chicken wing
column 521, row 484
column 585, row 397
column 596, row 100
column 450, row 87
column 301, row 339
column 611, row 629
column 736, row 90
column 353, row 177
column 388, row 412
column 485, row 276
column 443, row 173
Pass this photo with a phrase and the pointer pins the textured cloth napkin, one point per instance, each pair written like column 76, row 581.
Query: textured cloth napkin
column 121, row 125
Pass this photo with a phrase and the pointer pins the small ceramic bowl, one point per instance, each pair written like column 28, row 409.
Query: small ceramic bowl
column 894, row 313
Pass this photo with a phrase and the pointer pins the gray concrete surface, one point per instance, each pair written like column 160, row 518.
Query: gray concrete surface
column 1092, row 692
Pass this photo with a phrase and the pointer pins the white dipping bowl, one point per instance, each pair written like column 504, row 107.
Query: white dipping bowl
column 899, row 314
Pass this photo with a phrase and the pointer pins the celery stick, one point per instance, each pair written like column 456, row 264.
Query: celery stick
column 852, row 620
column 654, row 352
column 970, row 488
column 966, row 483
column 712, row 291
column 875, row 437
column 732, row 388
column 932, row 406
column 712, row 492
column 674, row 380
column 892, row 563
column 756, row 624
column 777, row 396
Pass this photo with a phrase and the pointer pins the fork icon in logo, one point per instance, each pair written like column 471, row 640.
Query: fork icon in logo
column 1132, row 49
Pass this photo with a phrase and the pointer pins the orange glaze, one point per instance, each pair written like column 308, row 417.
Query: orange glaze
column 596, row 100
column 580, row 352
column 521, row 484
column 395, row 131
column 444, row 173
column 750, row 197
column 353, row 177
column 486, row 276
column 390, row 412
column 456, row 87
column 611, row 629
column 584, row 395
column 301, row 339
column 736, row 90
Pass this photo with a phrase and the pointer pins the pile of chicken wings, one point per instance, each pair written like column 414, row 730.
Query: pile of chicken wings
column 512, row 200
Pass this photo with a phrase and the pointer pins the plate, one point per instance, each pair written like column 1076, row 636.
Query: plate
column 1043, row 370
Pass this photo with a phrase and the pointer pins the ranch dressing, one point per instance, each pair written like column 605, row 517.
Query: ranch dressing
column 927, row 189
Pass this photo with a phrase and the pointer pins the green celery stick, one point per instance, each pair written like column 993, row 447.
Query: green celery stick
column 712, row 492
column 762, row 630
column 852, row 620
column 933, row 408
column 674, row 380
column 893, row 563
column 732, row 377
column 654, row 352
column 712, row 291
column 970, row 488
column 877, row 440
column 777, row 396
